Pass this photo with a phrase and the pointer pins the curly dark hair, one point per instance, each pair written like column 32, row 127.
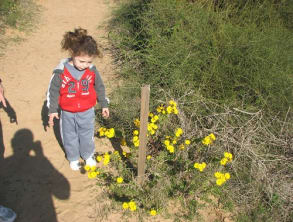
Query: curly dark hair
column 79, row 43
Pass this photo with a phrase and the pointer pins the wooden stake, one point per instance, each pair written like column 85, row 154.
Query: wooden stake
column 144, row 113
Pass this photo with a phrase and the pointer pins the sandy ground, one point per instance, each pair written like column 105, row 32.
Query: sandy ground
column 36, row 180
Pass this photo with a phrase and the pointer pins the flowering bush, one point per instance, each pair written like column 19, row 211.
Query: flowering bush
column 177, row 165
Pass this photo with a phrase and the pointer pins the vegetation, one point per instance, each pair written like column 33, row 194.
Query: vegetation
column 16, row 15
column 227, row 65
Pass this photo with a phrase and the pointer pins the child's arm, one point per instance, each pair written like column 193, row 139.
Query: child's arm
column 100, row 90
column 53, row 97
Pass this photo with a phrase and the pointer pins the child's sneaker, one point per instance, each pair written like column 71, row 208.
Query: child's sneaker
column 75, row 165
column 90, row 161
column 6, row 214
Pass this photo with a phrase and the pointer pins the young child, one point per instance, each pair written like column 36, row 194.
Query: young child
column 74, row 87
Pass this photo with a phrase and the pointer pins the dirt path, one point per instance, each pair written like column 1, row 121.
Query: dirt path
column 34, row 172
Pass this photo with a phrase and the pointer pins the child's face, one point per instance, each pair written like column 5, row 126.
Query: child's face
column 82, row 62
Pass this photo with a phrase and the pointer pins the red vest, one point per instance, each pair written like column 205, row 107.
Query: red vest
column 77, row 95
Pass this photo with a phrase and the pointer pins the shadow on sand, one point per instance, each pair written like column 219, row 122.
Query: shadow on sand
column 29, row 180
column 13, row 119
column 56, row 127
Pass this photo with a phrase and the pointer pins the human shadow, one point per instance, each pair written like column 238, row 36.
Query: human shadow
column 10, row 112
column 56, row 127
column 13, row 119
column 29, row 180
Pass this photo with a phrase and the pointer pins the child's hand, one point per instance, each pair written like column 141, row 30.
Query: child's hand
column 51, row 118
column 105, row 112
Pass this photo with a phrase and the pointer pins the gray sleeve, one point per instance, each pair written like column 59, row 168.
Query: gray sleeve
column 100, row 89
column 54, row 92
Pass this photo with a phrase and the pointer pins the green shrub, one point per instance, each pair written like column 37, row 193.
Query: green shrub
column 9, row 12
column 239, row 55
column 229, row 67
column 18, row 14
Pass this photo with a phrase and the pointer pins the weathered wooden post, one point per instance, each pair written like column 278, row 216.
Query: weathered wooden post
column 144, row 113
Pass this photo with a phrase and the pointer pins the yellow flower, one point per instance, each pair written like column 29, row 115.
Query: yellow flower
column 136, row 143
column 217, row 174
column 135, row 132
column 116, row 152
column 89, row 175
column 172, row 103
column 133, row 208
column 196, row 165
column 92, row 175
column 175, row 111
column 87, row 168
column 149, row 127
column 212, row 136
column 102, row 131
column 224, row 161
column 228, row 155
column 179, row 131
column 124, row 154
column 207, row 141
column 125, row 206
column 187, row 142
column 106, row 159
column 156, row 117
column 110, row 133
column 169, row 109
column 200, row 166
column 135, row 138
column 119, row 180
column 132, row 205
column 153, row 212
column 227, row 176
column 136, row 122
column 151, row 114
column 174, row 141
column 220, row 182
column 149, row 157
column 167, row 142
column 99, row 158
column 152, row 132
column 93, row 168
column 171, row 148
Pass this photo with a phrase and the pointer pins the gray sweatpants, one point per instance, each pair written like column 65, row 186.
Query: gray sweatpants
column 77, row 132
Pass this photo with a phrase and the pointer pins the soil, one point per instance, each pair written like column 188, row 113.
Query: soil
column 36, row 180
